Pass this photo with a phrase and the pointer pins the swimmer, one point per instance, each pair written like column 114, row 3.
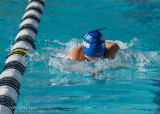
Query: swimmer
column 94, row 47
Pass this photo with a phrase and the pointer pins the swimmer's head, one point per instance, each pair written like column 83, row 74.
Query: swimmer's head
column 94, row 44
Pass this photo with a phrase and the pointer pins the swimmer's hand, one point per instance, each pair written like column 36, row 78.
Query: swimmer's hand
column 95, row 73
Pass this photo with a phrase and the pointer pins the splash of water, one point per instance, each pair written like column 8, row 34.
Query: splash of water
column 125, row 58
column 56, row 61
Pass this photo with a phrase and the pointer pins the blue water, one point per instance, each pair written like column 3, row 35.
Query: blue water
column 52, row 84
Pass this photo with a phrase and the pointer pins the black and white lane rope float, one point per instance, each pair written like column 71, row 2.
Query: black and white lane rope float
column 15, row 65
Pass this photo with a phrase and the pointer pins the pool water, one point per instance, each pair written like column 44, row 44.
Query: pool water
column 53, row 84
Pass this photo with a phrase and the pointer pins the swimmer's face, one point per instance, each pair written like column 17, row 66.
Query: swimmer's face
column 92, row 58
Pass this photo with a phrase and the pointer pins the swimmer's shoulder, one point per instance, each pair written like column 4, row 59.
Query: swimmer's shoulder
column 111, row 44
column 111, row 50
column 77, row 54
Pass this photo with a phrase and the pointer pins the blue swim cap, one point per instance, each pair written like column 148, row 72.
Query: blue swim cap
column 94, row 44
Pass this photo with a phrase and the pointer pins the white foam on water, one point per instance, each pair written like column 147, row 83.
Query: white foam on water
column 126, row 58
column 57, row 57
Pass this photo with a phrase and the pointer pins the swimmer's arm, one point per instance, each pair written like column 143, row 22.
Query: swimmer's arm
column 111, row 50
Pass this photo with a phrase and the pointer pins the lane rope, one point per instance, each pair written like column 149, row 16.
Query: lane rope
column 15, row 65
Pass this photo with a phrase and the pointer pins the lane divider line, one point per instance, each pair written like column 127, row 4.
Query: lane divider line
column 16, row 60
